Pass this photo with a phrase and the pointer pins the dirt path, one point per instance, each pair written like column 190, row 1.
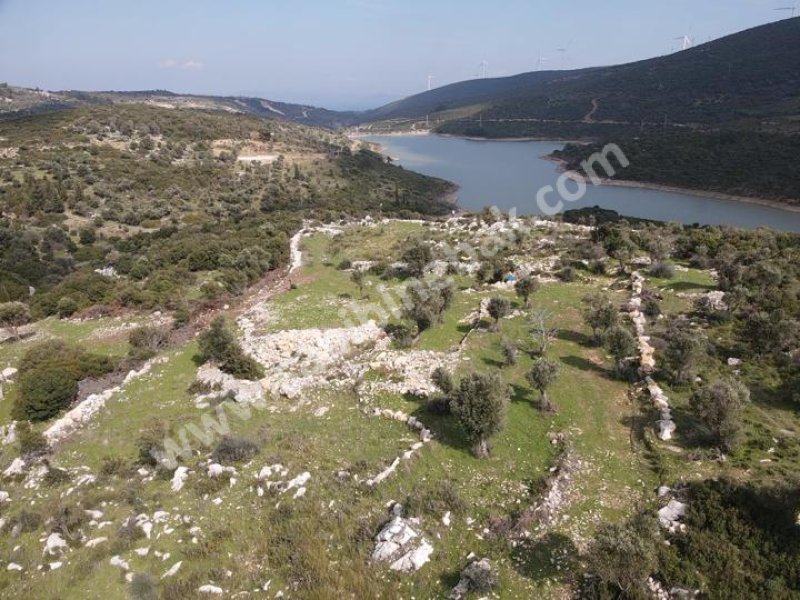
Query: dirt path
column 589, row 118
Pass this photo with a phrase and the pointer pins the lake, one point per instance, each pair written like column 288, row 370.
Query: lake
column 508, row 174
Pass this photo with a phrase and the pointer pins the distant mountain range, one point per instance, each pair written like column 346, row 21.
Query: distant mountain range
column 17, row 101
column 744, row 78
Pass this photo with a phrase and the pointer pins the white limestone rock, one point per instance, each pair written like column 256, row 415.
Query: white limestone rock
column 55, row 545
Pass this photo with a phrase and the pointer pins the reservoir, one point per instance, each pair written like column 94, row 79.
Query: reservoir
column 508, row 174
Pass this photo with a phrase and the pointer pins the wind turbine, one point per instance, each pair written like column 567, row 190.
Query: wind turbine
column 563, row 52
column 430, row 81
column 687, row 42
column 541, row 61
column 483, row 69
column 792, row 9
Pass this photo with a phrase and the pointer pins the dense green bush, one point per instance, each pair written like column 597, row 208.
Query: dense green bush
column 233, row 450
column 741, row 541
column 146, row 341
column 49, row 373
column 218, row 344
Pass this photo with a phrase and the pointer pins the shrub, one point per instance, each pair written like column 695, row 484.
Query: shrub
column 402, row 334
column 49, row 373
column 55, row 477
column 146, row 341
column 31, row 442
column 45, row 392
column 600, row 314
column 662, row 270
column 143, row 587
column 510, row 353
column 115, row 466
column 151, row 442
column 568, row 274
column 66, row 307
column 417, row 257
column 232, row 450
column 442, row 379
column 345, row 264
column 14, row 315
column 624, row 555
column 219, row 345
column 435, row 500
column 621, row 345
column 24, row 522
column 651, row 308
column 427, row 302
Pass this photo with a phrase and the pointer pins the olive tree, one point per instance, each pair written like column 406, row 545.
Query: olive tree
column 417, row 256
column 683, row 353
column 498, row 308
column 600, row 315
column 479, row 403
column 525, row 287
column 541, row 376
column 621, row 345
column 719, row 406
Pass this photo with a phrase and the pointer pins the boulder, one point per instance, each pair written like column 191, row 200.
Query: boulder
column 179, row 478
column 477, row 576
column 55, row 545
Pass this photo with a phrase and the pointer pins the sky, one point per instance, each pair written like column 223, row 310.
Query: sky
column 340, row 54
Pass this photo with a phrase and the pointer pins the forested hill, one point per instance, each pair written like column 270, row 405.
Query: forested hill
column 754, row 74
column 172, row 201
column 19, row 101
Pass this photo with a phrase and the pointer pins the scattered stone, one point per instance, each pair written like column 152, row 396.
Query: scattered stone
column 209, row 589
column 55, row 545
column 17, row 467
column 96, row 542
column 477, row 576
column 14, row 567
column 669, row 516
column 172, row 570
column 117, row 561
column 179, row 478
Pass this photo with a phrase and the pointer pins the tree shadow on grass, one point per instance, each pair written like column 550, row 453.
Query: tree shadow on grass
column 691, row 431
column 576, row 337
column 493, row 362
column 444, row 426
column 551, row 557
column 583, row 364
column 684, row 286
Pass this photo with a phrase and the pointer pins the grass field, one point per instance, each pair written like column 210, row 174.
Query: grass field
column 318, row 545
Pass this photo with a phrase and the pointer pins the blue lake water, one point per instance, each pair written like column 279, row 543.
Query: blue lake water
column 508, row 174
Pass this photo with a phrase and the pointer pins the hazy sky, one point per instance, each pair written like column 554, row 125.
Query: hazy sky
column 338, row 53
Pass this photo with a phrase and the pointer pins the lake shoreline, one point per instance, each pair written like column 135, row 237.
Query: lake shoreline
column 659, row 187
column 773, row 205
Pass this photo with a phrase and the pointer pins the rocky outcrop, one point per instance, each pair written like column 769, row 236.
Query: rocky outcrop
column 243, row 391
column 400, row 544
